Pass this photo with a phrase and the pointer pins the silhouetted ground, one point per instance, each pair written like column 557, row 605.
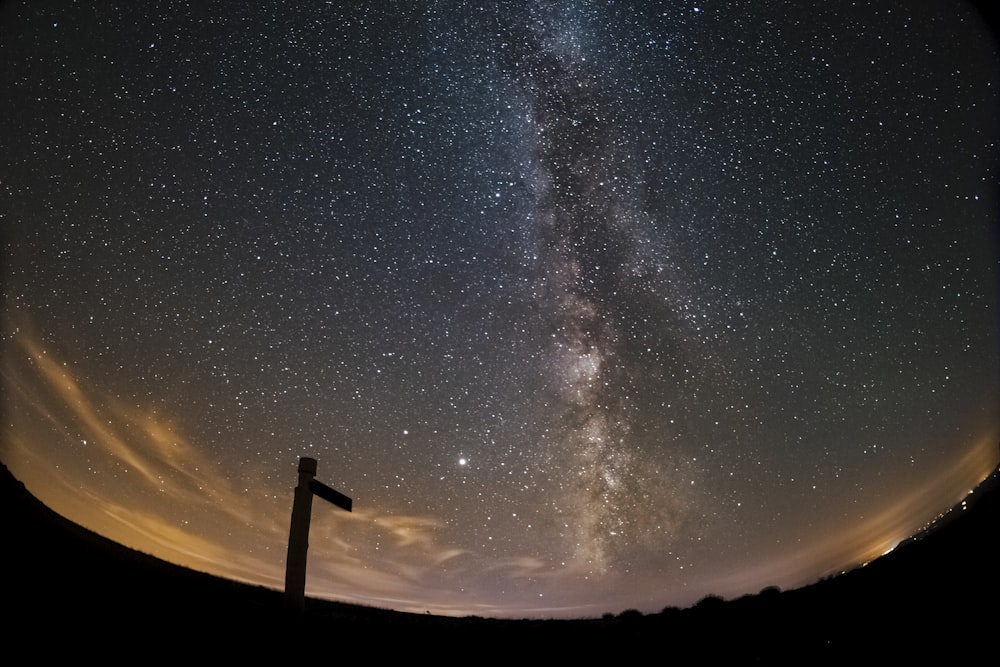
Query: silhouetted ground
column 71, row 594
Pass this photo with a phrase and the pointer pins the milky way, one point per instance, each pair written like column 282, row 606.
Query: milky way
column 585, row 208
column 587, row 306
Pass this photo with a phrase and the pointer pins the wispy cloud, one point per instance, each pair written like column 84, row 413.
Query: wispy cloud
column 228, row 530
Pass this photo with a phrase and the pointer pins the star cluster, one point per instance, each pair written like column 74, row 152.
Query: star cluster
column 588, row 306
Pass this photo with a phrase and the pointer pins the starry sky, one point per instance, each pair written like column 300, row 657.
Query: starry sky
column 588, row 306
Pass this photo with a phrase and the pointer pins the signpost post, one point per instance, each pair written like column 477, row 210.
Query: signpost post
column 298, row 535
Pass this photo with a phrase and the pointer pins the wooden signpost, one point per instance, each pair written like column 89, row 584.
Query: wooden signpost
column 298, row 535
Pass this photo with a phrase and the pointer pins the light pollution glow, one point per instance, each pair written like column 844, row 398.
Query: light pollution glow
column 171, row 501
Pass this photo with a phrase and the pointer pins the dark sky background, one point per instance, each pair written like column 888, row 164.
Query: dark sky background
column 588, row 306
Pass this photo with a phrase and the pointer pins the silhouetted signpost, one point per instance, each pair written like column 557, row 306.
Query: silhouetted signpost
column 298, row 534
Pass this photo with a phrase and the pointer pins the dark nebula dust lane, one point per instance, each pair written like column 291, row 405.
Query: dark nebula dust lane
column 588, row 306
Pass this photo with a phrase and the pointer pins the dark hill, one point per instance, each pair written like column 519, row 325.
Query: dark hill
column 68, row 592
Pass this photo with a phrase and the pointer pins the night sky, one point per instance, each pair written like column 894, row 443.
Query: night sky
column 588, row 306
